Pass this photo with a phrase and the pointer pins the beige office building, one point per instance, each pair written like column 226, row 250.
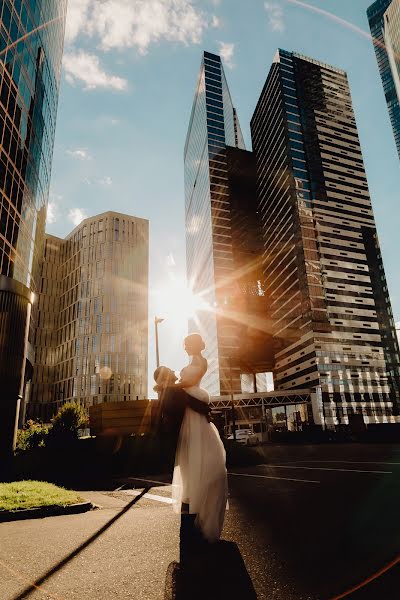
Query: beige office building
column 91, row 336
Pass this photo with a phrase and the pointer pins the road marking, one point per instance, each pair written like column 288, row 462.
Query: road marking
column 155, row 497
column 327, row 469
column 149, row 480
column 270, row 477
column 356, row 462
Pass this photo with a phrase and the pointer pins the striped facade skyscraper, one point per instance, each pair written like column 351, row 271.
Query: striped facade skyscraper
column 323, row 274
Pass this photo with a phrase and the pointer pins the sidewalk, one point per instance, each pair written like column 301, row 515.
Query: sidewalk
column 128, row 559
column 128, row 548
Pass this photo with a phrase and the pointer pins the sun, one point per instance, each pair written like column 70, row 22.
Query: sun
column 177, row 302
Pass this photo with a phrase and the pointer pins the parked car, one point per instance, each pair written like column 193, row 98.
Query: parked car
column 244, row 436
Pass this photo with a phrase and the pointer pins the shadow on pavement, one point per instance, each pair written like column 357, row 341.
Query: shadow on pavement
column 217, row 572
column 35, row 585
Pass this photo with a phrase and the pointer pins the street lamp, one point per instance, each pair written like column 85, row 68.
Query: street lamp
column 157, row 320
column 232, row 400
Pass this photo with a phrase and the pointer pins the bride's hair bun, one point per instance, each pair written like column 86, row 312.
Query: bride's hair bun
column 195, row 343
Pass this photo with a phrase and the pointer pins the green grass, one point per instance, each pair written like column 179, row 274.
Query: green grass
column 32, row 494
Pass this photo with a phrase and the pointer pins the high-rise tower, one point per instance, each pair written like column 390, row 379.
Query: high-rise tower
column 29, row 86
column 323, row 273
column 223, row 261
column 384, row 22
column 91, row 334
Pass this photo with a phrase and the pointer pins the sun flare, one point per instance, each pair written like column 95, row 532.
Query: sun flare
column 177, row 302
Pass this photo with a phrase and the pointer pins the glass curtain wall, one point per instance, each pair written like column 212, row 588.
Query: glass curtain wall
column 31, row 46
column 213, row 126
column 91, row 337
column 384, row 17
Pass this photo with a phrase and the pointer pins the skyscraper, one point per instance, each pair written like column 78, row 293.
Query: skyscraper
column 218, row 237
column 323, row 274
column 91, row 334
column 384, row 22
column 29, row 86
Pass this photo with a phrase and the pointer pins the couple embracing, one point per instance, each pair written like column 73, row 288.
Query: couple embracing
column 199, row 485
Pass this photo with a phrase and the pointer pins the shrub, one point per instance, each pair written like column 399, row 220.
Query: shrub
column 33, row 435
column 68, row 420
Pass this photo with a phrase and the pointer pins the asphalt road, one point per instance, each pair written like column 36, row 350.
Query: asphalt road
column 313, row 523
column 329, row 523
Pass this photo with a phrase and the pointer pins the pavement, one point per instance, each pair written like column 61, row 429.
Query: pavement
column 312, row 524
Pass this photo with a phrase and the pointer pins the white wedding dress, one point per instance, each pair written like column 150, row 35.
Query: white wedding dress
column 200, row 478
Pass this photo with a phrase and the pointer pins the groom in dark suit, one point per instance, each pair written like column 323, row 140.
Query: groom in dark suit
column 173, row 402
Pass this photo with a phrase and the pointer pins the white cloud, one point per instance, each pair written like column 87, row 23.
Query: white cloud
column 82, row 66
column 275, row 15
column 102, row 181
column 52, row 212
column 53, row 208
column 135, row 23
column 226, row 51
column 105, row 181
column 77, row 15
column 215, row 21
column 80, row 153
column 77, row 215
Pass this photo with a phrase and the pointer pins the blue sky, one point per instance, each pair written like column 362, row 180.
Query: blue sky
column 130, row 69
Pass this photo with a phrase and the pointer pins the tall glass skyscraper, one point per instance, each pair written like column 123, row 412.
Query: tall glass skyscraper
column 384, row 22
column 29, row 87
column 219, row 235
column 323, row 274
column 213, row 125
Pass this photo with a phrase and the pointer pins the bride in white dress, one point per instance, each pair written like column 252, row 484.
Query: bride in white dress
column 200, row 478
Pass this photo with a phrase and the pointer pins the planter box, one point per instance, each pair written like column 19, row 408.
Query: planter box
column 123, row 418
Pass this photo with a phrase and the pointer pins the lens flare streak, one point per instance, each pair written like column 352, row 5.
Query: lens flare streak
column 339, row 20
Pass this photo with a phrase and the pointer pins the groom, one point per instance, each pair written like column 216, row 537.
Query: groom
column 173, row 402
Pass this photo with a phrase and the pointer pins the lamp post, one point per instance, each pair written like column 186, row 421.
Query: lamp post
column 232, row 400
column 157, row 320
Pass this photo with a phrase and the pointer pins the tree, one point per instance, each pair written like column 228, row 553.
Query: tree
column 33, row 435
column 71, row 417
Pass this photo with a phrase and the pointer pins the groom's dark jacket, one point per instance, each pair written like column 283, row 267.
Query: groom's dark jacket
column 173, row 402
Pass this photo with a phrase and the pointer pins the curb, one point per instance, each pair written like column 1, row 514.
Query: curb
column 45, row 511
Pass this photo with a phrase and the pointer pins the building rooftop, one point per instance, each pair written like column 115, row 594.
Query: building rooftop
column 108, row 213
column 308, row 59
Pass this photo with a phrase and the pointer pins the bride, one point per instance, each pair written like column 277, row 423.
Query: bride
column 199, row 484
